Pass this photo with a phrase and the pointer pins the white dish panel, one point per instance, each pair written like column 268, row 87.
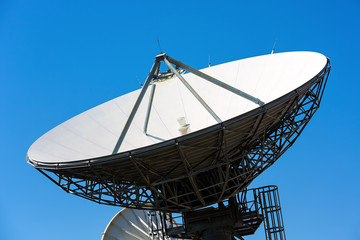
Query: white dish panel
column 95, row 132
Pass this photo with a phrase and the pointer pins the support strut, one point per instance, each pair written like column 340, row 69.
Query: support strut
column 154, row 68
column 216, row 81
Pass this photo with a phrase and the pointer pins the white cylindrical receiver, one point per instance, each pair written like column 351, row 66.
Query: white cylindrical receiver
column 182, row 121
column 184, row 127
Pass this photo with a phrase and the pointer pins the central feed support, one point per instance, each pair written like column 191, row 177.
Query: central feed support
column 155, row 74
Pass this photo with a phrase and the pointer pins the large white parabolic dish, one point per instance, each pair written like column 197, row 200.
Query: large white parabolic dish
column 95, row 132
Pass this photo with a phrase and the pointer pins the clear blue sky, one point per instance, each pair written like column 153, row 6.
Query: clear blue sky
column 59, row 58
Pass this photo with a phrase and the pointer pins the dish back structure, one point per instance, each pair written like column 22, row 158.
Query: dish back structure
column 197, row 169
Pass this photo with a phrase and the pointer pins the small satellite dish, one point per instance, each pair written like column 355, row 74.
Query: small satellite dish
column 131, row 224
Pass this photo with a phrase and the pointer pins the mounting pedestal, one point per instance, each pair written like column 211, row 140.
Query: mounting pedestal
column 237, row 217
column 224, row 233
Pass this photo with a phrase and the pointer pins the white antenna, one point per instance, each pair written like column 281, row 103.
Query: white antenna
column 273, row 49
column 209, row 61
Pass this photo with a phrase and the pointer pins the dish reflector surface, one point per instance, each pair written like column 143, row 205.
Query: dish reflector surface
column 95, row 132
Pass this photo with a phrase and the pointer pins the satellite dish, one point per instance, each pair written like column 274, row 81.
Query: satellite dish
column 131, row 224
column 94, row 133
column 186, row 140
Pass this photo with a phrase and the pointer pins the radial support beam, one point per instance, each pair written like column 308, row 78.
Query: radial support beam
column 136, row 106
column 188, row 86
column 149, row 108
column 190, row 175
column 216, row 81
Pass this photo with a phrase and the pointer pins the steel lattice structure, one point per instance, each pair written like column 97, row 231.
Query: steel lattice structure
column 197, row 169
column 244, row 213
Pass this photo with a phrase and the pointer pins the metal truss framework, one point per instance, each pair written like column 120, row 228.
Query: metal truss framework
column 201, row 168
